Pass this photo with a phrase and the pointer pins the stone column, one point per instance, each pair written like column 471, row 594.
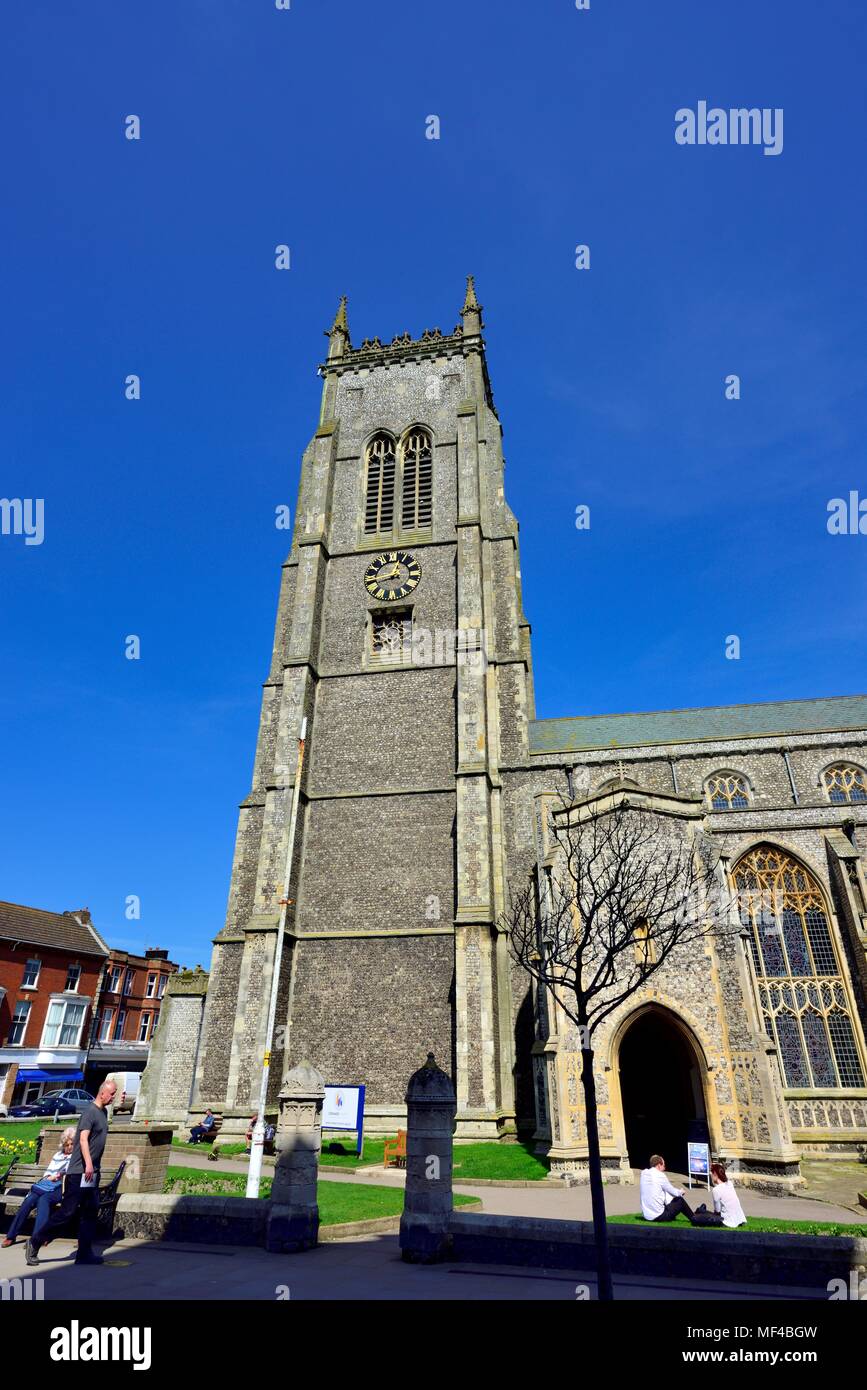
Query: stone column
column 431, row 1108
column 293, row 1220
column 174, row 1052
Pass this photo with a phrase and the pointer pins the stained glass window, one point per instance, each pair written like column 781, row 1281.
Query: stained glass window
column 800, row 978
column 844, row 783
column 728, row 792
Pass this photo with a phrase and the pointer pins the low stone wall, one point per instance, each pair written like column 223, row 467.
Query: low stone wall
column 731, row 1256
column 200, row 1220
column 145, row 1149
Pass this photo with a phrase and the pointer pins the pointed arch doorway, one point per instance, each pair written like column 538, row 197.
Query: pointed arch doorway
column 661, row 1090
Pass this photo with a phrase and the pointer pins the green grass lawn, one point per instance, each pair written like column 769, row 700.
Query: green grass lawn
column 759, row 1223
column 19, row 1139
column 339, row 1202
column 340, row 1153
column 508, row 1162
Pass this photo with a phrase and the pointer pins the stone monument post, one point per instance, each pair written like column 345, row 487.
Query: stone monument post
column 431, row 1108
column 293, row 1221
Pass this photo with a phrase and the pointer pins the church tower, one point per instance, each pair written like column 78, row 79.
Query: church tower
column 400, row 636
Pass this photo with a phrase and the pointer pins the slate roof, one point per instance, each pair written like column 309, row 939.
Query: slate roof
column 59, row 930
column 716, row 723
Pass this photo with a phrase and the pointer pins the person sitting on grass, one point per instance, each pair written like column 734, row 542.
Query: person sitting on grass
column 47, row 1192
column 727, row 1210
column 200, row 1132
column 655, row 1188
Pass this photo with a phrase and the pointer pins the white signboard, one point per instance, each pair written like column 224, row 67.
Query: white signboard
column 343, row 1107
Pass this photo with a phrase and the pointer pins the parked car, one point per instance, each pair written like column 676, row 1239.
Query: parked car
column 71, row 1102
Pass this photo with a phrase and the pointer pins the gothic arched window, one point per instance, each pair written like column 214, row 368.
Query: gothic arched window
column 728, row 791
column 845, row 783
column 379, row 491
column 803, row 995
column 417, row 457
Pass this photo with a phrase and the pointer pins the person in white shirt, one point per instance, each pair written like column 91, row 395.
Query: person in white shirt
column 660, row 1201
column 726, row 1203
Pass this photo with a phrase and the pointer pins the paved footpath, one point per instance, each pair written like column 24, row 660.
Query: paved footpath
column 566, row 1203
column 367, row 1269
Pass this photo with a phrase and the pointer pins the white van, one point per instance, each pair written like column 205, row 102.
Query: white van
column 128, row 1085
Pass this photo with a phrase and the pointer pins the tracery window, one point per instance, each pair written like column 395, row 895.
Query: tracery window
column 845, row 783
column 417, row 457
column 728, row 791
column 379, row 494
column 803, row 996
column 391, row 635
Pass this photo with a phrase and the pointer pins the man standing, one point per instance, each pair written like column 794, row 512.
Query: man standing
column 655, row 1189
column 81, row 1184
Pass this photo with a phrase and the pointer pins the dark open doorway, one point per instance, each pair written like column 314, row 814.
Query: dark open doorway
column 661, row 1090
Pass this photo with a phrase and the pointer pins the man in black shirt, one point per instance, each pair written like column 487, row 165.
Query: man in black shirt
column 81, row 1184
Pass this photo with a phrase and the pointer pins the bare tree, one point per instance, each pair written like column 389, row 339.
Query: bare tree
column 622, row 889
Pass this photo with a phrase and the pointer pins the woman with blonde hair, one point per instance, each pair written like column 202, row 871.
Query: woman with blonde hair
column 47, row 1192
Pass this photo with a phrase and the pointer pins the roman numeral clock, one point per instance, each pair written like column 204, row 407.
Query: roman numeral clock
column 392, row 575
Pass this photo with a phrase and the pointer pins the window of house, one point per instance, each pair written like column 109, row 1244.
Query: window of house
column 727, row 791
column 63, row 1023
column 73, row 975
column 144, row 1025
column 417, row 496
column 163, row 982
column 31, row 973
column 803, row 993
column 105, row 1025
column 845, row 784
column 121, row 1024
column 151, row 986
column 381, row 460
column 19, row 1023
column 127, row 984
column 391, row 635
column 116, row 973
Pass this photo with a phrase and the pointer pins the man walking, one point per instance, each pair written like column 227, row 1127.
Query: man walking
column 81, row 1184
column 655, row 1189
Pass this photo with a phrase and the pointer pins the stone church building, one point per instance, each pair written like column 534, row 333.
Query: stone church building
column 401, row 636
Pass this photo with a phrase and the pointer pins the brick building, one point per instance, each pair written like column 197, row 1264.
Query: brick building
column 50, row 969
column 127, row 1012
column 401, row 636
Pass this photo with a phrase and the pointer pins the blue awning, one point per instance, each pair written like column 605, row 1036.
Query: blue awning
column 37, row 1074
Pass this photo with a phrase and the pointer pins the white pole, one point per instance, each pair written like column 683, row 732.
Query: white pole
column 257, row 1143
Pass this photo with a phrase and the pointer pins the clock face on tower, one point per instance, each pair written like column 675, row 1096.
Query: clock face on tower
column 391, row 575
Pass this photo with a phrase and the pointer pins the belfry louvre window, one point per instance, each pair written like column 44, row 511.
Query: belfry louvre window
column 391, row 635
column 844, row 784
column 803, row 996
column 727, row 792
column 379, row 495
column 417, row 458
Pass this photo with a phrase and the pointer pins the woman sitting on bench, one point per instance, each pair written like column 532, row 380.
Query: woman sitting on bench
column 45, row 1193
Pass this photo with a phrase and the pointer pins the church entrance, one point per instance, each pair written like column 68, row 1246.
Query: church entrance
column 661, row 1091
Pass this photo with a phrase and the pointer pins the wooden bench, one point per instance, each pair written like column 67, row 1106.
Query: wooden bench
column 394, row 1155
column 19, row 1177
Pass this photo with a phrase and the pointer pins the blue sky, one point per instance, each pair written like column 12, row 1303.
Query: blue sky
column 307, row 127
